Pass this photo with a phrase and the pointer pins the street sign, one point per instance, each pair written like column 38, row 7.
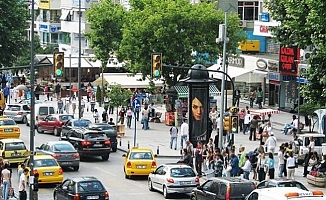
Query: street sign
column 141, row 96
column 136, row 103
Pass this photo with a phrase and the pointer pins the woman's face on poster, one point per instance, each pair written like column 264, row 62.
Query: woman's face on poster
column 197, row 109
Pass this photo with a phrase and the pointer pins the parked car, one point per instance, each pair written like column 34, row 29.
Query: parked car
column 80, row 188
column 63, row 151
column 173, row 178
column 74, row 123
column 48, row 169
column 109, row 131
column 223, row 188
column 41, row 111
column 88, row 142
column 139, row 162
column 17, row 112
column 53, row 123
column 285, row 193
column 13, row 150
column 8, row 128
column 281, row 183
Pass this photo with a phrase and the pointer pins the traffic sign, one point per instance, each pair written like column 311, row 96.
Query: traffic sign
column 136, row 103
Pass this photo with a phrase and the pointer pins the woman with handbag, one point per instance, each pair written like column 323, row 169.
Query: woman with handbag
column 261, row 167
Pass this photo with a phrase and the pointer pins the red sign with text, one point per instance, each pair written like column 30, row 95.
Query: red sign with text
column 289, row 57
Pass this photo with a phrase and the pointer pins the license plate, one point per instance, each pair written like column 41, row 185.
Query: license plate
column 141, row 166
column 8, row 129
column 98, row 145
column 15, row 154
column 48, row 173
column 93, row 197
column 66, row 163
column 185, row 182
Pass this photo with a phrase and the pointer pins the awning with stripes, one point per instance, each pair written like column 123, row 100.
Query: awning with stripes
column 182, row 90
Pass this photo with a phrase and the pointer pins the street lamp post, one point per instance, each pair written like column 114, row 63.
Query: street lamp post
column 79, row 61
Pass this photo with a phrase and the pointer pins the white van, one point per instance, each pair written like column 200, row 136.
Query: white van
column 285, row 193
column 41, row 111
column 300, row 146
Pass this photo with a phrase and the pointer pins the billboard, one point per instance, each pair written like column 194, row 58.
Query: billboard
column 198, row 113
column 44, row 4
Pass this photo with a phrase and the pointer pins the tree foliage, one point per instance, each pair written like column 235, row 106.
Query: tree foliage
column 118, row 96
column 175, row 29
column 303, row 24
column 13, row 24
column 105, row 20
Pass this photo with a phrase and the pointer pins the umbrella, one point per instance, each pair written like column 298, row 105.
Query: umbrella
column 99, row 81
column 21, row 87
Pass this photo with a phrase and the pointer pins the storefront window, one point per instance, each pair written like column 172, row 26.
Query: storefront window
column 54, row 38
column 289, row 95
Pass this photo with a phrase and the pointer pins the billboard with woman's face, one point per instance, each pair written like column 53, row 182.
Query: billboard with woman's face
column 198, row 113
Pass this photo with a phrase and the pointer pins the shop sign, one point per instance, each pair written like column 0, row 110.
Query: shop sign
column 262, row 28
column 44, row 4
column 54, row 28
column 289, row 78
column 262, row 64
column 236, row 61
column 43, row 27
column 288, row 60
column 274, row 76
column 273, row 66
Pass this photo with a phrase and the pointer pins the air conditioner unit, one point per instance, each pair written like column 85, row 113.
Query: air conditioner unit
column 243, row 23
column 306, row 55
column 303, row 69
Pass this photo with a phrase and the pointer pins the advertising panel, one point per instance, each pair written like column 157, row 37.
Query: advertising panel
column 288, row 60
column 198, row 114
column 44, row 4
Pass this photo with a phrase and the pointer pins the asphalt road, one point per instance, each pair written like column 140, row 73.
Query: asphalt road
column 109, row 172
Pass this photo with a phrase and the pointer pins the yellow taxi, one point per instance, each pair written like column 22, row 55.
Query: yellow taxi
column 48, row 169
column 139, row 162
column 8, row 128
column 13, row 150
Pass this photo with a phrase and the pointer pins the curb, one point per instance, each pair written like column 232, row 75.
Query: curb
column 158, row 156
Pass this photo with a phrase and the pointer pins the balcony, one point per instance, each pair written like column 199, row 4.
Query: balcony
column 72, row 26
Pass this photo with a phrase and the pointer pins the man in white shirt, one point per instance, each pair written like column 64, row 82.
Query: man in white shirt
column 184, row 132
column 280, row 156
column 271, row 143
column 294, row 124
column 174, row 136
column 22, row 185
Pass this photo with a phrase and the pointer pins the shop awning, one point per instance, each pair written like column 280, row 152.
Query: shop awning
column 182, row 90
column 233, row 72
column 64, row 14
column 264, row 112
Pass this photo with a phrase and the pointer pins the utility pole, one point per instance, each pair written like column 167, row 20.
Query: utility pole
column 222, row 38
column 79, row 61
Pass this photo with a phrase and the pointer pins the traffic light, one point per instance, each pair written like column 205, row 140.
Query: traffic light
column 226, row 123
column 58, row 64
column 156, row 65
column 234, row 123
column 234, row 110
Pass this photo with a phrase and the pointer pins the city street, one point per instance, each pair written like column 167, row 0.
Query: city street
column 111, row 172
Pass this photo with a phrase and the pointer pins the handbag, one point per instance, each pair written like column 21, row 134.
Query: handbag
column 265, row 134
column 229, row 168
column 267, row 176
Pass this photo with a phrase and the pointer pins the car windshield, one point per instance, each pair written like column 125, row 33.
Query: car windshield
column 6, row 122
column 45, row 163
column 65, row 117
column 318, row 141
column 81, row 123
column 90, row 186
column 292, row 184
column 182, row 172
column 104, row 128
column 141, row 155
column 15, row 146
column 95, row 135
column 63, row 147
column 13, row 107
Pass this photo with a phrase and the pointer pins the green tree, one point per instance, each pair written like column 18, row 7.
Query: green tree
column 105, row 21
column 13, row 24
column 302, row 24
column 175, row 29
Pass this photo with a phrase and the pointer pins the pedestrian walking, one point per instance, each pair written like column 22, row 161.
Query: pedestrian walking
column 105, row 117
column 82, row 108
column 253, row 128
column 37, row 91
column 236, row 95
column 199, row 158
column 260, row 98
column 252, row 97
column 173, row 136
column 290, row 163
column 246, row 122
column 270, row 164
column 22, row 185
column 184, row 132
column 122, row 114
column 213, row 116
column 35, row 186
column 111, row 122
column 73, row 101
column 190, row 151
column 234, row 163
column 242, row 115
column 60, row 105
column 6, row 181
column 6, row 93
column 144, row 119
column 47, row 92
column 281, row 160
column 271, row 143
column 92, row 104
column 246, row 168
column 261, row 167
column 57, row 90
column 129, row 116
column 96, row 116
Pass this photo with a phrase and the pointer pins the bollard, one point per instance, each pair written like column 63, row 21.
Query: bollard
column 137, row 145
column 128, row 144
column 158, row 150
column 120, row 142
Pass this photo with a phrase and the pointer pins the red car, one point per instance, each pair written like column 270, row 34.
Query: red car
column 53, row 123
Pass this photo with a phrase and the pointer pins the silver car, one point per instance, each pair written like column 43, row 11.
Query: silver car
column 63, row 151
column 173, row 178
column 17, row 112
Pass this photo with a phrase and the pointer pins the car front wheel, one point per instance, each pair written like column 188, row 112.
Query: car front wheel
column 55, row 196
column 150, row 185
column 56, row 132
column 39, row 130
column 24, row 121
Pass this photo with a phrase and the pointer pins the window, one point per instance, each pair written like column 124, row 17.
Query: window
column 215, row 188
column 90, row 186
column 248, row 10
column 92, row 136
column 43, row 111
column 182, row 172
column 13, row 107
column 63, row 147
column 207, row 185
column 25, row 107
column 6, row 122
column 65, row 117
column 15, row 146
column 45, row 163
column 141, row 155
column 253, row 196
column 81, row 123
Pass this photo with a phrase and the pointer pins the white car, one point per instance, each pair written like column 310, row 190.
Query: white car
column 285, row 193
column 173, row 178
column 41, row 111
